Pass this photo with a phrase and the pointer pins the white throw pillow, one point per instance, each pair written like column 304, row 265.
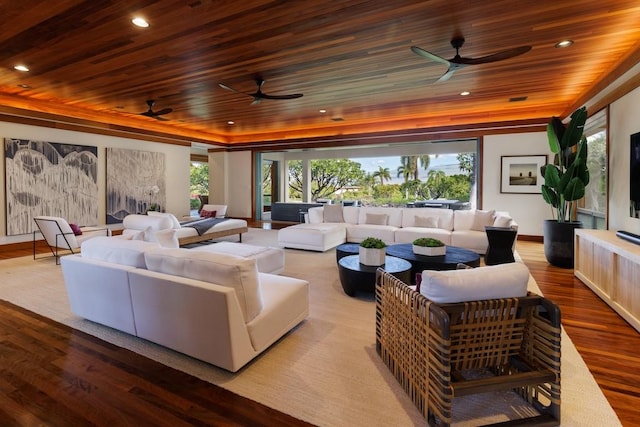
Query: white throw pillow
column 146, row 235
column 376, row 219
column 502, row 221
column 174, row 221
column 167, row 238
column 425, row 221
column 482, row 218
column 233, row 271
column 496, row 281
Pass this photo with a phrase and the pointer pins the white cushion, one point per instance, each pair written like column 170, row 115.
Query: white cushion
column 496, row 281
column 141, row 222
column 118, row 251
column 145, row 235
column 167, row 238
column 174, row 221
column 232, row 271
column 502, row 221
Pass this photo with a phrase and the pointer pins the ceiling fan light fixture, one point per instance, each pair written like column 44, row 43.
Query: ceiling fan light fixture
column 140, row 22
column 21, row 67
column 564, row 43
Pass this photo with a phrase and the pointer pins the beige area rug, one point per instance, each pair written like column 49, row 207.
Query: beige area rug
column 326, row 371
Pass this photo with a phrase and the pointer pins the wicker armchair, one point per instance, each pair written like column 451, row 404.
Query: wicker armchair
column 428, row 347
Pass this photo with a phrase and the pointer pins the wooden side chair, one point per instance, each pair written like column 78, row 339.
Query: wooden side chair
column 431, row 348
column 59, row 235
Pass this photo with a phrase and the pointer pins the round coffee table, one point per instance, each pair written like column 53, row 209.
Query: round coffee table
column 359, row 277
column 448, row 261
column 347, row 249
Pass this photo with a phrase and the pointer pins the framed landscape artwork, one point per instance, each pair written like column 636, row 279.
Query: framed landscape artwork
column 521, row 174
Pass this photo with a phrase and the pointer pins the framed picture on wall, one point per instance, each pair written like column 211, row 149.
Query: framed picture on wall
column 521, row 174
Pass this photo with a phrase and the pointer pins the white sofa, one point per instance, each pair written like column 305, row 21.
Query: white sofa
column 329, row 226
column 214, row 307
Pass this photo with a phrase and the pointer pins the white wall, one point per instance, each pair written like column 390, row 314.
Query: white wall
column 528, row 210
column 177, row 163
column 230, row 181
column 624, row 120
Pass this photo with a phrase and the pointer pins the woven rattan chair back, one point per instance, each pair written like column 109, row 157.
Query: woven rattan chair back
column 431, row 348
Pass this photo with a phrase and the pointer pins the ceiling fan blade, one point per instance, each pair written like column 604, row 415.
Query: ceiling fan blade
column 453, row 67
column 419, row 51
column 162, row 119
column 148, row 113
column 224, row 86
column 505, row 54
column 163, row 111
column 292, row 96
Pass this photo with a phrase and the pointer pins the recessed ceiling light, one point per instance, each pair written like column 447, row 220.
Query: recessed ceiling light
column 465, row 93
column 231, row 122
column 564, row 43
column 21, row 67
column 323, row 111
column 24, row 86
column 140, row 22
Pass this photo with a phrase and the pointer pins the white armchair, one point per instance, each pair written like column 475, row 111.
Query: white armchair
column 58, row 235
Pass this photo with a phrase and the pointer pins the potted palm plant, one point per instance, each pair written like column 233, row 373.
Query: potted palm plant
column 429, row 246
column 372, row 251
column 564, row 184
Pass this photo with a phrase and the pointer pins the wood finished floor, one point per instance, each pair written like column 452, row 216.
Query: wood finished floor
column 51, row 374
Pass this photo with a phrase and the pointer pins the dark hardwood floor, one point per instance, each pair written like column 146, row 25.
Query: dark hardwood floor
column 53, row 375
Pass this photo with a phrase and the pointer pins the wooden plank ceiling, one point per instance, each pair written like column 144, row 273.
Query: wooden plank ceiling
column 90, row 65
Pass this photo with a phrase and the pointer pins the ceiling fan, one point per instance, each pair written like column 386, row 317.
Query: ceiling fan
column 458, row 62
column 259, row 95
column 156, row 114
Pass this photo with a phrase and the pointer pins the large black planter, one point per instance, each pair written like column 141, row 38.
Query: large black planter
column 558, row 242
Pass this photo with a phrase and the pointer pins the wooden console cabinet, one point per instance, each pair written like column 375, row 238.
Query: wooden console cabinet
column 610, row 266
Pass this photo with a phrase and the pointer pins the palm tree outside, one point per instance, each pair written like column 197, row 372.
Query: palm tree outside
column 383, row 174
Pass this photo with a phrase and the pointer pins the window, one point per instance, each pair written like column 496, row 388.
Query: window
column 593, row 210
column 395, row 175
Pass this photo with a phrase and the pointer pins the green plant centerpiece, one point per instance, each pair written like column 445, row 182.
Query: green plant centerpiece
column 372, row 251
column 429, row 246
column 565, row 181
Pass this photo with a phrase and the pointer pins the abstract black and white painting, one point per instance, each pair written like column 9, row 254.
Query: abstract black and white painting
column 135, row 183
column 49, row 178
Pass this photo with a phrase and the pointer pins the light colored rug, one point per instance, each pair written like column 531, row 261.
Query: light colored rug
column 326, row 371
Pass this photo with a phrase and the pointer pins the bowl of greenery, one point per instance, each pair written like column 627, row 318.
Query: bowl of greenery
column 372, row 251
column 429, row 246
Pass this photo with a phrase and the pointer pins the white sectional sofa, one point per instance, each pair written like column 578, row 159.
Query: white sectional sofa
column 331, row 225
column 215, row 307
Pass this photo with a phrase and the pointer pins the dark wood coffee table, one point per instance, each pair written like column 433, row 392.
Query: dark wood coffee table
column 448, row 261
column 346, row 249
column 359, row 277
